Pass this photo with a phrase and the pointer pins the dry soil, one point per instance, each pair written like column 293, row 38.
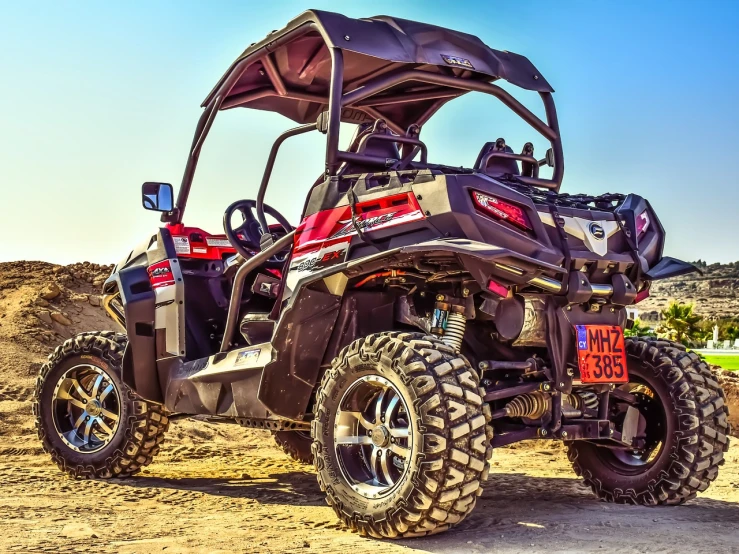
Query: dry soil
column 220, row 488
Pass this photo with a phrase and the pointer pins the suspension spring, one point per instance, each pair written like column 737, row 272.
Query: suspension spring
column 454, row 332
column 532, row 405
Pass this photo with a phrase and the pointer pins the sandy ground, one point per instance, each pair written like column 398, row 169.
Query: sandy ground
column 233, row 491
column 220, row 488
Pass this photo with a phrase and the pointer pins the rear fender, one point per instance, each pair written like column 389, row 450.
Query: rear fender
column 670, row 267
column 312, row 323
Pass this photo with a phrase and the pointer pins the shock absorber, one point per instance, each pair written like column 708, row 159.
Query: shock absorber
column 449, row 322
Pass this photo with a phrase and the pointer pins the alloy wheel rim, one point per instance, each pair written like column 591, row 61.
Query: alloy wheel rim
column 86, row 408
column 652, row 413
column 373, row 436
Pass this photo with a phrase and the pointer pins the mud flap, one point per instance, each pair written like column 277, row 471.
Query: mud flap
column 139, row 359
column 300, row 342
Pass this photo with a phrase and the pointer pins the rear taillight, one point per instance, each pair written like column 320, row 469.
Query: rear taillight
column 497, row 288
column 160, row 274
column 642, row 223
column 642, row 295
column 501, row 209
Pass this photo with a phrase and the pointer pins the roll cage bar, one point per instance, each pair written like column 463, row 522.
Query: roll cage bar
column 448, row 86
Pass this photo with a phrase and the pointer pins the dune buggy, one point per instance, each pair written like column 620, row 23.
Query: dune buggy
column 419, row 315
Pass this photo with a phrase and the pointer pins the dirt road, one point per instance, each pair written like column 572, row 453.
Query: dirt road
column 233, row 491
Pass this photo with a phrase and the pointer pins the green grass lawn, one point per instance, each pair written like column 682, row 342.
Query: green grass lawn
column 727, row 362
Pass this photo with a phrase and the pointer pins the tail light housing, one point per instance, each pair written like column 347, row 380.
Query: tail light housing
column 160, row 274
column 501, row 210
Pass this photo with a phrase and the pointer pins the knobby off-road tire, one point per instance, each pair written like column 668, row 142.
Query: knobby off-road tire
column 296, row 444
column 696, row 434
column 141, row 425
column 449, row 436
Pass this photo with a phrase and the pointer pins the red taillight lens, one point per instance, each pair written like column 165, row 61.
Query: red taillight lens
column 160, row 274
column 642, row 295
column 502, row 210
column 642, row 223
column 497, row 288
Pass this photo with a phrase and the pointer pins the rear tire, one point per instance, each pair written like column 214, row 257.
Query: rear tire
column 88, row 420
column 296, row 444
column 421, row 449
column 688, row 416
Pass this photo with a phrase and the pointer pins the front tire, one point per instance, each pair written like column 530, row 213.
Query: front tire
column 401, row 442
column 296, row 444
column 88, row 420
column 683, row 420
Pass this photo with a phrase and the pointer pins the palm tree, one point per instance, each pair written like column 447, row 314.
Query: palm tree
column 680, row 323
column 638, row 329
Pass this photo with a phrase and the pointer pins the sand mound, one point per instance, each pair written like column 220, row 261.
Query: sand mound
column 41, row 305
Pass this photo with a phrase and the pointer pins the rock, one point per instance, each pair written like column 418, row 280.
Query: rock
column 78, row 297
column 41, row 302
column 61, row 318
column 50, row 291
column 59, row 269
column 45, row 316
column 98, row 281
column 78, row 531
column 94, row 300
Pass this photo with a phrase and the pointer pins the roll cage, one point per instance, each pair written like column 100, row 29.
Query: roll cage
column 324, row 68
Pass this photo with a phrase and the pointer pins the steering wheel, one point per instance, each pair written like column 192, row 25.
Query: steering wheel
column 250, row 229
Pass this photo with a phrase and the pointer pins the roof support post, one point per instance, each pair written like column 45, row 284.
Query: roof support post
column 334, row 111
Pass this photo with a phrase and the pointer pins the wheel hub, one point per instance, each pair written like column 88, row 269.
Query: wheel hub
column 94, row 408
column 380, row 436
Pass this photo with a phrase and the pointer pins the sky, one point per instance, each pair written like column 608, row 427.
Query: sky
column 99, row 97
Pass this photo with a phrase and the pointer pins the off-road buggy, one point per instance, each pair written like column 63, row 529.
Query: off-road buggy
column 418, row 316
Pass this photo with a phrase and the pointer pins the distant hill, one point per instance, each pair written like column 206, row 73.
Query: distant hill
column 715, row 294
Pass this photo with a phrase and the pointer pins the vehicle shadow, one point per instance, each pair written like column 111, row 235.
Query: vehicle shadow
column 277, row 488
column 517, row 512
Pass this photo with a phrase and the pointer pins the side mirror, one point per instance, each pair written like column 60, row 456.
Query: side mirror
column 549, row 157
column 157, row 197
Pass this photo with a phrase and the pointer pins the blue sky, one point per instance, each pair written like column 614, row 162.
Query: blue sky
column 100, row 97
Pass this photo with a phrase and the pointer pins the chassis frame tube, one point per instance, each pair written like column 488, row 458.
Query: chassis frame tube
column 338, row 99
column 238, row 286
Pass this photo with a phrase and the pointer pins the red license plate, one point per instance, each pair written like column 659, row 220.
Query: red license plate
column 600, row 354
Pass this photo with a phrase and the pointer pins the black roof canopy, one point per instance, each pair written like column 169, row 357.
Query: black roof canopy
column 289, row 71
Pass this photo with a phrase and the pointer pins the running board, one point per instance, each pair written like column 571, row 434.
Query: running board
column 224, row 384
